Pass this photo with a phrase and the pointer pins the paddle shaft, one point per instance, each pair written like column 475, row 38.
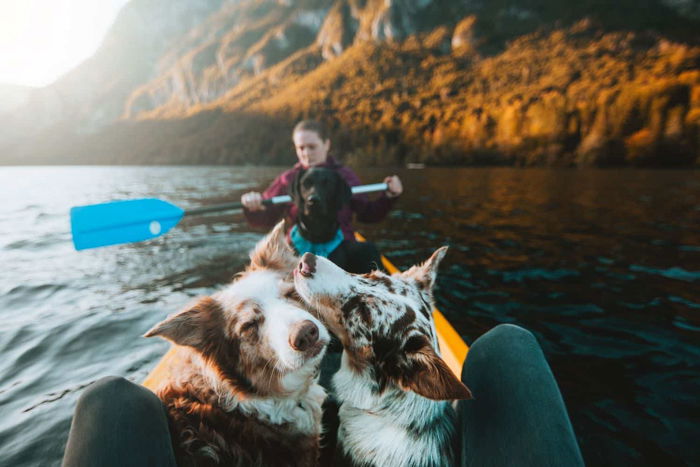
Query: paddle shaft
column 276, row 200
column 136, row 220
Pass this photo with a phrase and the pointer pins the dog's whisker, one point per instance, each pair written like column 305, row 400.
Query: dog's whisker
column 272, row 369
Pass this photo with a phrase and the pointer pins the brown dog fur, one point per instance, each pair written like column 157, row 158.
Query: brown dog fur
column 243, row 390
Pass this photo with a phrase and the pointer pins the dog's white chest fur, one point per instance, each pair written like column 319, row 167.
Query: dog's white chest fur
column 302, row 410
column 395, row 428
column 303, row 413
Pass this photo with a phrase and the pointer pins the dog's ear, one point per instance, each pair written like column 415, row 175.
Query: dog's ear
column 294, row 189
column 429, row 376
column 195, row 326
column 343, row 193
column 272, row 252
column 426, row 273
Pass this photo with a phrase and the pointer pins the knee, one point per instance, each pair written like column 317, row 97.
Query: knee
column 115, row 391
column 112, row 383
column 506, row 336
column 112, row 386
column 511, row 333
column 502, row 349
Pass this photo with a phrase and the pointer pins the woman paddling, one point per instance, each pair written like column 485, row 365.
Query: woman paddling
column 312, row 145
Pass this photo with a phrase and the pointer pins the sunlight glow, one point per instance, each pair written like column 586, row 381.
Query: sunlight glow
column 42, row 39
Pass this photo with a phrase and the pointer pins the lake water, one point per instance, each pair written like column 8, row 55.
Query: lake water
column 603, row 266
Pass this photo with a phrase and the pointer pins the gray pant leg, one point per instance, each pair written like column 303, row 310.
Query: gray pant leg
column 517, row 416
column 119, row 423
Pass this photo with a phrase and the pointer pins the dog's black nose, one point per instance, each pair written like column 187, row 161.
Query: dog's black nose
column 313, row 198
column 307, row 265
column 304, row 335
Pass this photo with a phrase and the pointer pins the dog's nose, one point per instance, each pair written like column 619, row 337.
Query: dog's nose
column 304, row 335
column 313, row 198
column 307, row 265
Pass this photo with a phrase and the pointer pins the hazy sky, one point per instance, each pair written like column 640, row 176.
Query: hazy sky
column 42, row 39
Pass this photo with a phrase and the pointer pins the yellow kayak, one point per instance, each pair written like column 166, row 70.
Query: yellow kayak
column 452, row 348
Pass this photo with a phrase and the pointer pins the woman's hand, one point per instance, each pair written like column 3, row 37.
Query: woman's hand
column 252, row 201
column 395, row 186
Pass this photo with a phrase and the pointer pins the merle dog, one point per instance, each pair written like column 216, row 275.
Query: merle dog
column 319, row 195
column 393, row 388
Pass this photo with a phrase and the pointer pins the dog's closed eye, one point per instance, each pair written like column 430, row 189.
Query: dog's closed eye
column 415, row 343
column 249, row 329
column 293, row 295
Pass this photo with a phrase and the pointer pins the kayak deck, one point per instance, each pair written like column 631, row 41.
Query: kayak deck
column 452, row 348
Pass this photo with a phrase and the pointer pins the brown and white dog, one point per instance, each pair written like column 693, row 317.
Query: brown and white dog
column 392, row 385
column 244, row 390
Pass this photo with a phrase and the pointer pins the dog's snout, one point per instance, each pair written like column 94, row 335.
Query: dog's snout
column 307, row 265
column 304, row 335
column 314, row 198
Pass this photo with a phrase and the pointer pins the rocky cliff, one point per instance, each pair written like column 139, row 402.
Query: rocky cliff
column 435, row 81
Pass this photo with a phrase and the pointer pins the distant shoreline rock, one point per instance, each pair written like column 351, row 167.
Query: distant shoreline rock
column 431, row 82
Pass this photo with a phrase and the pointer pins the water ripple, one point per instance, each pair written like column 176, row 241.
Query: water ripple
column 536, row 274
column 608, row 288
column 676, row 273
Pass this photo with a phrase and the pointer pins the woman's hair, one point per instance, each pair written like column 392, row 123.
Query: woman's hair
column 312, row 125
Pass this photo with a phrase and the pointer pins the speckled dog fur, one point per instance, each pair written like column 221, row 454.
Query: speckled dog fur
column 393, row 388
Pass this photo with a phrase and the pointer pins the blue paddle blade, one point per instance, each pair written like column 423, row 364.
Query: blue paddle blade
column 122, row 222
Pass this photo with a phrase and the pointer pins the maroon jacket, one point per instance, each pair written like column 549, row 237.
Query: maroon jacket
column 366, row 210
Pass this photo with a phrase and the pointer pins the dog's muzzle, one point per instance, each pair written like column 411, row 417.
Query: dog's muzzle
column 307, row 265
column 304, row 336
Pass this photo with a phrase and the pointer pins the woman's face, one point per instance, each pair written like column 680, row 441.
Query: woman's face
column 311, row 149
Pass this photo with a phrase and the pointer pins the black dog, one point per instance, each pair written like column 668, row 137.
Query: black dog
column 319, row 194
